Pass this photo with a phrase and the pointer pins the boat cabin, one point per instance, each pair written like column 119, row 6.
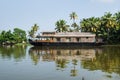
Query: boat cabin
column 67, row 37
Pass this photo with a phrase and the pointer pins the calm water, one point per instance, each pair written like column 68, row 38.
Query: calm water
column 59, row 63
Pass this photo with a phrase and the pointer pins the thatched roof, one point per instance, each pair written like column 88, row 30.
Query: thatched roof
column 68, row 34
column 74, row 34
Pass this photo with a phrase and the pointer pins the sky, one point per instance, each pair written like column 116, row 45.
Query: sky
column 25, row 13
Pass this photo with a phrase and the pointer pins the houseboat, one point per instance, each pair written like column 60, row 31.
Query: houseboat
column 65, row 39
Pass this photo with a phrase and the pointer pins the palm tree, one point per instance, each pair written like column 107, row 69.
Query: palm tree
column 108, row 20
column 73, row 16
column 61, row 26
column 76, row 27
column 66, row 28
column 106, row 27
column 34, row 29
column 109, row 23
column 83, row 25
column 86, row 25
column 117, row 16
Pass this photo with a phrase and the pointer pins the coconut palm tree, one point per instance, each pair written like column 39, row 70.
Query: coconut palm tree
column 34, row 29
column 73, row 16
column 107, row 26
column 108, row 20
column 109, row 23
column 83, row 25
column 61, row 26
column 117, row 16
column 86, row 25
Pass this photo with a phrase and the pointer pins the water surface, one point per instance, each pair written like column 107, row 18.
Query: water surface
column 59, row 63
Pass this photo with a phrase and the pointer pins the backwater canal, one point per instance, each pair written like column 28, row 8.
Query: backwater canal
column 59, row 63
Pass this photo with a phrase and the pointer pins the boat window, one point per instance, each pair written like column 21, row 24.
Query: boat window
column 87, row 37
column 68, row 39
column 78, row 39
column 58, row 39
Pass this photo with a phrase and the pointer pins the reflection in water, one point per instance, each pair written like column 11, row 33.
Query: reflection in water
column 64, row 56
column 61, row 64
column 74, row 71
column 15, row 52
column 53, row 54
column 106, row 59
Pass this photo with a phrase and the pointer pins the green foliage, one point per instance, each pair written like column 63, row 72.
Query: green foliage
column 107, row 27
column 108, row 60
column 33, row 30
column 73, row 16
column 19, row 35
column 7, row 37
column 61, row 26
column 15, row 52
column 75, row 26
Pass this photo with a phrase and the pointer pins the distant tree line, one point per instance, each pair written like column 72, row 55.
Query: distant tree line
column 17, row 35
column 106, row 27
column 9, row 37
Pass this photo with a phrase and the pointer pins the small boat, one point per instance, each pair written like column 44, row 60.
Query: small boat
column 65, row 39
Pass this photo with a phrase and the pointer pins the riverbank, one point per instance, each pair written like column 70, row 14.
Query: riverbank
column 19, row 44
column 110, row 45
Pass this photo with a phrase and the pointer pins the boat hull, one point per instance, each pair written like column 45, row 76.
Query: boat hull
column 35, row 43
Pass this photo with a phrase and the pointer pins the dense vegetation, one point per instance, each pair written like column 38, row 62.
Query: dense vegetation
column 17, row 36
column 106, row 27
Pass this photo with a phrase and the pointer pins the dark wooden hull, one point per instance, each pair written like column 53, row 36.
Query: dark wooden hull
column 35, row 43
